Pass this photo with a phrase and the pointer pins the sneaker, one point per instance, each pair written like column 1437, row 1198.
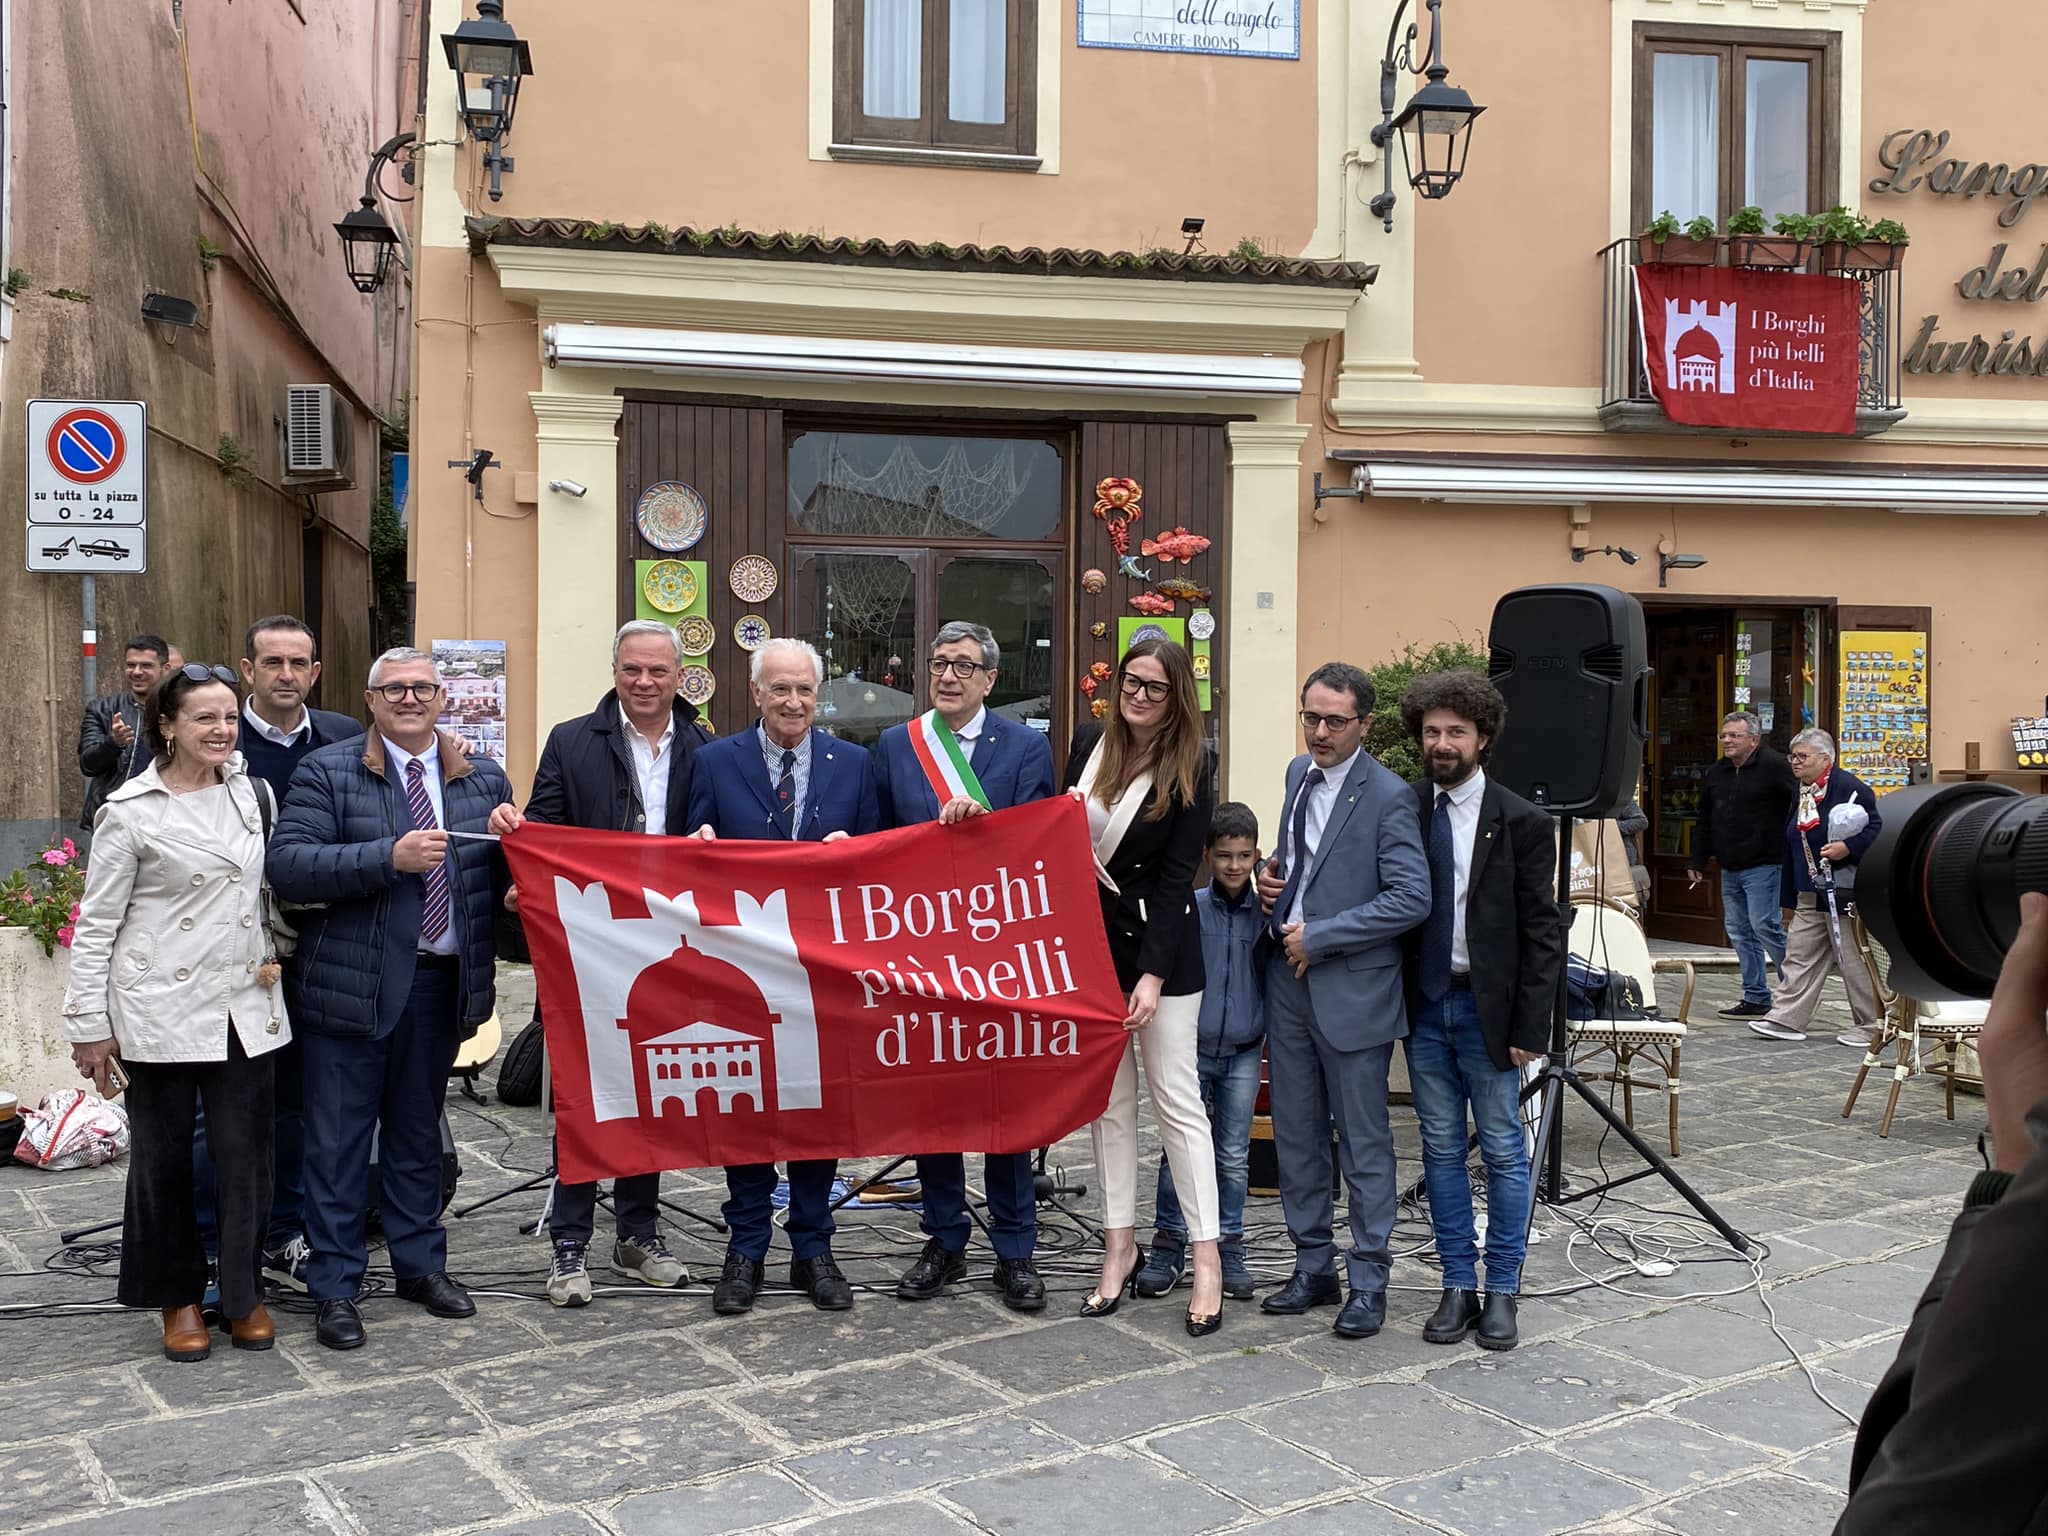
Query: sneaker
column 1164, row 1267
column 1771, row 1029
column 648, row 1260
column 1861, row 1039
column 568, row 1282
column 287, row 1265
column 1237, row 1278
column 1745, row 1010
column 209, row 1300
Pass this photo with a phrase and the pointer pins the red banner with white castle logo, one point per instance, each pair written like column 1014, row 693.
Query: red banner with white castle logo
column 1751, row 350
column 926, row 990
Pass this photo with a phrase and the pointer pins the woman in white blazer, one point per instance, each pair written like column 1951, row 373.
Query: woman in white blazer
column 172, row 972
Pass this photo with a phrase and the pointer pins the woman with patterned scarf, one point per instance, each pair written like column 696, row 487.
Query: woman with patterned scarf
column 1816, row 888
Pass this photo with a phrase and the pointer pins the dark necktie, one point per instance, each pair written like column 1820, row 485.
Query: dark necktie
column 434, row 911
column 785, row 795
column 1434, row 972
column 1297, row 851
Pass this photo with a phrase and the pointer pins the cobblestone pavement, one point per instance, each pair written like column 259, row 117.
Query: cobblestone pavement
column 1666, row 1405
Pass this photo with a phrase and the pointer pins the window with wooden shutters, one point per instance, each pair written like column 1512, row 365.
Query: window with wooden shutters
column 937, row 75
column 1726, row 118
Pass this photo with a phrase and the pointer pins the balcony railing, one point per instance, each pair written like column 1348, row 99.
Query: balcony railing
column 1627, row 403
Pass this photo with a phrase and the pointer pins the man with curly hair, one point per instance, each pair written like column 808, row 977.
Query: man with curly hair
column 1482, row 975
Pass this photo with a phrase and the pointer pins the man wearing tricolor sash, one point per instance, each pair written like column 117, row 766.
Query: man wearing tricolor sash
column 957, row 761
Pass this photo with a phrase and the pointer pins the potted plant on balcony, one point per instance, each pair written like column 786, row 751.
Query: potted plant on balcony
column 1666, row 242
column 1749, row 246
column 38, row 908
column 1854, row 245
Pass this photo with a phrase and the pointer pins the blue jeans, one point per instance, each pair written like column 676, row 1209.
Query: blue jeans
column 1448, row 1068
column 1230, row 1090
column 1749, row 911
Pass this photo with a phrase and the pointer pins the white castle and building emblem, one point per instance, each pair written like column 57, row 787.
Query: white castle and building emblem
column 1699, row 346
column 609, row 955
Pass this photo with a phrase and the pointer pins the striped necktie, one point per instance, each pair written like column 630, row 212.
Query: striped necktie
column 434, row 911
column 785, row 795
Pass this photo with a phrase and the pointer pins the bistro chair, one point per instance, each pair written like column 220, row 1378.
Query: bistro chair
column 1608, row 935
column 1908, row 1030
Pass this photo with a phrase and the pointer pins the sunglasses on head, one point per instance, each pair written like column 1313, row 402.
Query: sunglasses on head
column 200, row 672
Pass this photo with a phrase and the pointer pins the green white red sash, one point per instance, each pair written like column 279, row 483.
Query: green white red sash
column 944, row 761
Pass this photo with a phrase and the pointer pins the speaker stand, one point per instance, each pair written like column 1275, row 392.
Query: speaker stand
column 1558, row 1075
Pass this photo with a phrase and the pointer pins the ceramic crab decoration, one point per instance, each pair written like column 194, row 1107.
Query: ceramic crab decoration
column 1118, row 496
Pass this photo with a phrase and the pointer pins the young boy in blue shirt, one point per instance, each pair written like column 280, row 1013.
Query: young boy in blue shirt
column 1230, row 1038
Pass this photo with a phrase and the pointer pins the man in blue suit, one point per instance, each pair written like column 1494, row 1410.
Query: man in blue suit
column 1348, row 880
column 956, row 762
column 396, row 968
column 782, row 779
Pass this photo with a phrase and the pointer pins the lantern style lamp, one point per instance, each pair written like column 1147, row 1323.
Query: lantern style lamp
column 1435, row 128
column 368, row 241
column 489, row 60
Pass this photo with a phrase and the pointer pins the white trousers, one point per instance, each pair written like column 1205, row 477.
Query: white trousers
column 1168, row 1044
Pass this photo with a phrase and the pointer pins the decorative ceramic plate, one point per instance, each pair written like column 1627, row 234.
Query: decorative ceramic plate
column 1201, row 625
column 671, row 586
column 750, row 632
column 671, row 515
column 1149, row 632
column 697, row 684
column 753, row 578
column 698, row 634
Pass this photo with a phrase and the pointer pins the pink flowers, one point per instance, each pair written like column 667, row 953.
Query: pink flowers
column 66, row 933
column 55, row 857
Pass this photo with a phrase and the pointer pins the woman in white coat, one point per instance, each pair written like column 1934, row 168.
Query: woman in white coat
column 172, row 972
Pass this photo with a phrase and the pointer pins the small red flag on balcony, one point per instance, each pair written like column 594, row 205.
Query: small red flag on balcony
column 1753, row 350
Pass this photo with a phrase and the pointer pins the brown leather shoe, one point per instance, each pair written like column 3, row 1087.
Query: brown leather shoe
column 256, row 1331
column 186, row 1336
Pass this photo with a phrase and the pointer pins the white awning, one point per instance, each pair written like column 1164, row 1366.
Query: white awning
column 742, row 355
column 1559, row 482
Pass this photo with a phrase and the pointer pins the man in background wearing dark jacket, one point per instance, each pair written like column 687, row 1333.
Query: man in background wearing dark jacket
column 107, row 752
column 396, row 968
column 624, row 767
column 1744, row 799
column 280, row 665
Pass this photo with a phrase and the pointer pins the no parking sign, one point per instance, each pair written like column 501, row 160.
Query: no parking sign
column 88, row 486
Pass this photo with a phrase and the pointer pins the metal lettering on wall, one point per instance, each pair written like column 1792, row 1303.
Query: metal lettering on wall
column 1917, row 159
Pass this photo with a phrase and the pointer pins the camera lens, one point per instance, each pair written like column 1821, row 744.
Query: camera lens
column 1940, row 888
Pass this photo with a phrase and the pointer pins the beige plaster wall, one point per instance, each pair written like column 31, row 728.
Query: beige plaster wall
column 699, row 115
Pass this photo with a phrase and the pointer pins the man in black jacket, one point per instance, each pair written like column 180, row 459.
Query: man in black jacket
column 624, row 767
column 1954, row 1438
column 1482, row 976
column 107, row 752
column 1745, row 798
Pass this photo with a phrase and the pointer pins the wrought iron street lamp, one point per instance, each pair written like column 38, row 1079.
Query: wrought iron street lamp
column 489, row 60
column 1435, row 128
column 368, row 241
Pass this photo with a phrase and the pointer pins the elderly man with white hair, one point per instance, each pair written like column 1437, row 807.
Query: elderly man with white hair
column 396, row 968
column 1832, row 824
column 782, row 779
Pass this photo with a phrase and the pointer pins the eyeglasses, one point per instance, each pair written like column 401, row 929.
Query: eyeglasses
column 1136, row 687
column 199, row 672
column 960, row 667
column 1313, row 722
column 397, row 693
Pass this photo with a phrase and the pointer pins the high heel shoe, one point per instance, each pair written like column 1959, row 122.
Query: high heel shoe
column 1099, row 1305
column 1202, row 1327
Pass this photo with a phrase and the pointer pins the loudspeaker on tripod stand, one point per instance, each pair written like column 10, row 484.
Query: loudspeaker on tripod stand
column 1572, row 661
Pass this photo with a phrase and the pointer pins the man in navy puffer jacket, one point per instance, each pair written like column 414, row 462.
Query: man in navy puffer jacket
column 395, row 969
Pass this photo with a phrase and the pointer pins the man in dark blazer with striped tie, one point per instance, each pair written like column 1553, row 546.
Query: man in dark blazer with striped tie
column 396, row 967
column 782, row 779
column 956, row 762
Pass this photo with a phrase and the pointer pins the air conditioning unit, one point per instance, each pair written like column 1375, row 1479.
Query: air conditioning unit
column 320, row 439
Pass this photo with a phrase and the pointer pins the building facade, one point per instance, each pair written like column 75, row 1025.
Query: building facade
column 885, row 322
column 196, row 154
